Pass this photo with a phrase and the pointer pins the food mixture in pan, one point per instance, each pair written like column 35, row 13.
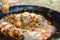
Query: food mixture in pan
column 26, row 26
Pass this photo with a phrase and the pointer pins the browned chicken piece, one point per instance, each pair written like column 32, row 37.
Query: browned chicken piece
column 14, row 21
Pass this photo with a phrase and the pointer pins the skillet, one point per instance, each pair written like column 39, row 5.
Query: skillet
column 51, row 15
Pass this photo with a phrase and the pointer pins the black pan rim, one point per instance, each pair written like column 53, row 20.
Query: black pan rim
column 25, row 7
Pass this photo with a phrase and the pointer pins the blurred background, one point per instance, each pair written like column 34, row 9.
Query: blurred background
column 53, row 4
